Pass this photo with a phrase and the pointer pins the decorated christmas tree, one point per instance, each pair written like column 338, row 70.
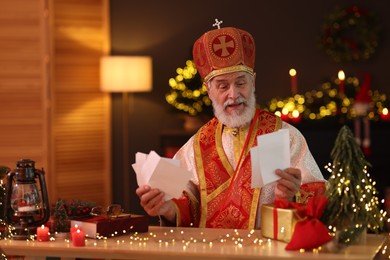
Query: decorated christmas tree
column 353, row 204
column 60, row 218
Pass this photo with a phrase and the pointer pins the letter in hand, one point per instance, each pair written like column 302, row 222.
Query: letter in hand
column 154, row 204
column 288, row 184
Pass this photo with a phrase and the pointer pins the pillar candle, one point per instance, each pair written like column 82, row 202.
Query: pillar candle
column 284, row 114
column 43, row 233
column 78, row 238
column 296, row 117
column 385, row 116
column 74, row 229
column 341, row 76
column 294, row 84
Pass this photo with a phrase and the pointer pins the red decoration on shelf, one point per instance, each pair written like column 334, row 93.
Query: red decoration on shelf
column 73, row 230
column 78, row 238
column 294, row 84
column 43, row 234
column 385, row 116
column 341, row 76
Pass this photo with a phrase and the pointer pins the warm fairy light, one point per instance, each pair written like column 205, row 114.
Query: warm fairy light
column 326, row 102
column 187, row 92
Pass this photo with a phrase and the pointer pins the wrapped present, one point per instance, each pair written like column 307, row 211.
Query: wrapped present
column 103, row 226
column 296, row 223
column 278, row 223
column 310, row 232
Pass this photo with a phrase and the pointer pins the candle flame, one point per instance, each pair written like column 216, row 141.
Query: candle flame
column 295, row 113
column 341, row 75
column 292, row 72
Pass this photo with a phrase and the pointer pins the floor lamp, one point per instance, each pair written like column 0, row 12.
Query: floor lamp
column 126, row 74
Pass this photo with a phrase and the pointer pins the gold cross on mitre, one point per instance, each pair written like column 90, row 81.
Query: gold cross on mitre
column 217, row 23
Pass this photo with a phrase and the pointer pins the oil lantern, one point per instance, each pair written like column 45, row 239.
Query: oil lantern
column 26, row 202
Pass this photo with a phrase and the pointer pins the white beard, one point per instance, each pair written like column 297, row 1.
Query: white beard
column 236, row 119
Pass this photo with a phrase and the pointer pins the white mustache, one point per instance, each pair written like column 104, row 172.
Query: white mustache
column 238, row 101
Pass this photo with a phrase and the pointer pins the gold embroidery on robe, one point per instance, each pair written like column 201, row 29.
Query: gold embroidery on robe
column 238, row 208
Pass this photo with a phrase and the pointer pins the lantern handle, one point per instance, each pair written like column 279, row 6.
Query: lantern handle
column 45, row 198
column 7, row 206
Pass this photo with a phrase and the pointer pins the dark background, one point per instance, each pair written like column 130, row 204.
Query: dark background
column 286, row 35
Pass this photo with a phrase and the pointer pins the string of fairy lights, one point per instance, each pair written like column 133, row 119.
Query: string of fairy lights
column 187, row 93
column 326, row 102
column 367, row 200
column 180, row 238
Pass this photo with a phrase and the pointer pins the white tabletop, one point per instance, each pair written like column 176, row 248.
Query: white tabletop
column 184, row 243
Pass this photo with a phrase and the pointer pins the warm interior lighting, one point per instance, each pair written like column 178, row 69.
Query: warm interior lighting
column 126, row 73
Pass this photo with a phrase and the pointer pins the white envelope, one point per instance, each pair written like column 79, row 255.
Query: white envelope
column 162, row 173
column 272, row 152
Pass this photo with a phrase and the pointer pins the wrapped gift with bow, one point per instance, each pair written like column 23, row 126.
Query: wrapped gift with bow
column 278, row 219
column 296, row 223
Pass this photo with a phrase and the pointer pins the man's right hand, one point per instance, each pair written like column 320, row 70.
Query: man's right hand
column 154, row 204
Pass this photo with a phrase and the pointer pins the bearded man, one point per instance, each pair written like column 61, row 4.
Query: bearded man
column 219, row 194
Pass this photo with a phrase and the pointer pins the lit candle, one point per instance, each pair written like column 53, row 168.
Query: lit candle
column 43, row 233
column 78, row 238
column 341, row 76
column 73, row 230
column 294, row 85
column 284, row 115
column 296, row 116
column 385, row 116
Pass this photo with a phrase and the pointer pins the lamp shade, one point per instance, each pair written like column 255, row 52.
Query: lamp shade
column 126, row 73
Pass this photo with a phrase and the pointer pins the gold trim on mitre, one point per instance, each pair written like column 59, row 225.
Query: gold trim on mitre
column 235, row 68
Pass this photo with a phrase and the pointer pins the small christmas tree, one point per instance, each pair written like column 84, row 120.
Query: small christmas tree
column 60, row 218
column 353, row 205
column 187, row 92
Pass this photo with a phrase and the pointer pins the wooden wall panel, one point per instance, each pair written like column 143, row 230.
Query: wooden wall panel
column 80, row 111
column 23, row 77
column 51, row 107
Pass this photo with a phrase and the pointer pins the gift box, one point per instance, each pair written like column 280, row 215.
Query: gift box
column 102, row 226
column 278, row 223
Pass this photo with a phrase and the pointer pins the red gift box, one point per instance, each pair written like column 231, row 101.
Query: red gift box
column 102, row 226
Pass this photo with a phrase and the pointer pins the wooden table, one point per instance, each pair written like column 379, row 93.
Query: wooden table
column 184, row 243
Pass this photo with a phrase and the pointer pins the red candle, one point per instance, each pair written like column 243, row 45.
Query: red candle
column 294, row 84
column 341, row 76
column 385, row 116
column 296, row 116
column 74, row 229
column 78, row 238
column 43, row 233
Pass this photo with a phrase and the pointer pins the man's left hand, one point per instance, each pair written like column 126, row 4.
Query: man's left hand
column 289, row 183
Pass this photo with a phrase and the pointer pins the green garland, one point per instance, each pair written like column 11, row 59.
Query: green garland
column 350, row 34
column 327, row 103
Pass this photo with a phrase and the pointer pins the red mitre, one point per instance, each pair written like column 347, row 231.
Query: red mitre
column 223, row 51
